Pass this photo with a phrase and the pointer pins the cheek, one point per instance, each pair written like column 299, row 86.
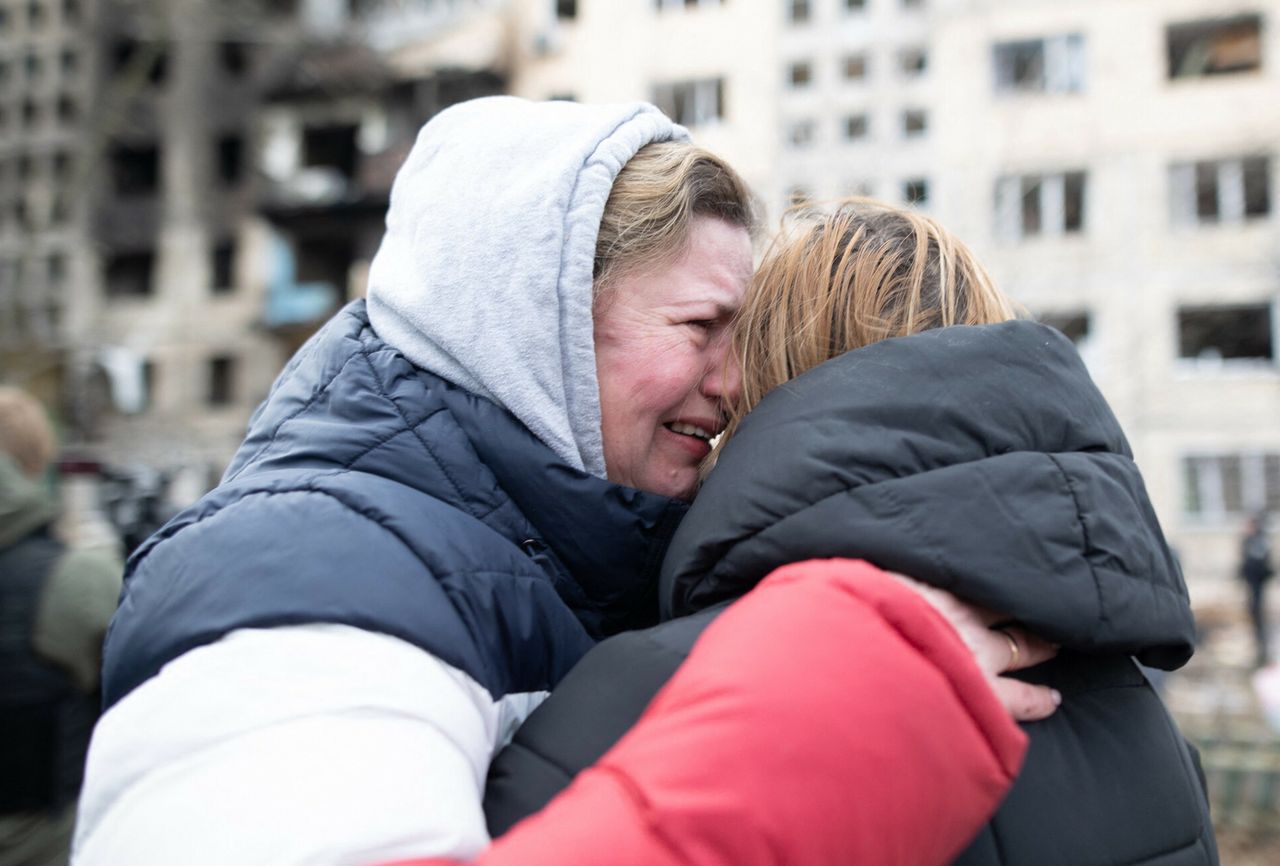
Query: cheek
column 657, row 385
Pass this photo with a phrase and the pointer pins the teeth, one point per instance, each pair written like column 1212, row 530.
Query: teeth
column 689, row 430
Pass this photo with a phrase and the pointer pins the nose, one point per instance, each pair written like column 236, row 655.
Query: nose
column 722, row 381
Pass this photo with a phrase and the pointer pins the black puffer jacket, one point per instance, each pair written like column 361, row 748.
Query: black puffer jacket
column 982, row 460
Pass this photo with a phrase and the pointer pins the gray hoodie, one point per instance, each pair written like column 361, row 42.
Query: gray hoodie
column 484, row 275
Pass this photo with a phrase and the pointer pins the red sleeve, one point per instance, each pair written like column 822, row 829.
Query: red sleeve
column 830, row 716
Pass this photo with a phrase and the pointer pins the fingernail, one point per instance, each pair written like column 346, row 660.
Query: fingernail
column 1057, row 697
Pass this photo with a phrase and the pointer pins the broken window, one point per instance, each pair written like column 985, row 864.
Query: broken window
column 70, row 61
column 68, row 110
column 800, row 73
column 801, row 133
column 282, row 8
column 915, row 191
column 691, row 102
column 70, row 11
column 1051, row 65
column 222, row 373
column 567, row 10
column 1040, row 204
column 35, row 14
column 1075, row 325
column 128, row 275
column 1222, row 485
column 230, row 159
column 149, row 376
column 56, row 270
column 331, row 147
column 855, row 67
column 234, row 58
column 61, row 165
column 1226, row 333
column 856, row 127
column 224, row 260
column 327, row 261
column 798, row 11
column 1220, row 191
column 59, row 210
column 135, row 169
column 915, row 123
column 128, row 55
column 34, row 68
column 1221, row 47
column 912, row 62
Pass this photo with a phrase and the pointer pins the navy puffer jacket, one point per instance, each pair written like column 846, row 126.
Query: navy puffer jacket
column 373, row 494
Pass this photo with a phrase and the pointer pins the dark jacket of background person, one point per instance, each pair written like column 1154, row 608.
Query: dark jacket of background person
column 55, row 605
column 981, row 460
column 1256, row 572
column 1255, row 555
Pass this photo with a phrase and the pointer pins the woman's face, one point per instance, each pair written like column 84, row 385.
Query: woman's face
column 663, row 360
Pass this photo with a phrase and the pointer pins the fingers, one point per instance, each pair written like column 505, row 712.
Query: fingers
column 1025, row 702
column 1025, row 649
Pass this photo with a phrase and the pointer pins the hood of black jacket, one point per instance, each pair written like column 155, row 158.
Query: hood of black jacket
column 982, row 460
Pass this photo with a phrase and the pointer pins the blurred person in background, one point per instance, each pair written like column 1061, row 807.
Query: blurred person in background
column 452, row 492
column 55, row 605
column 1256, row 572
column 982, row 460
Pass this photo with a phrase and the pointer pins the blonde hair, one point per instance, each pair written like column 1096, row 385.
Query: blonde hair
column 844, row 276
column 653, row 201
column 26, row 435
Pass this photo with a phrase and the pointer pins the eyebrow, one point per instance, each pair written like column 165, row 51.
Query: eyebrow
column 723, row 310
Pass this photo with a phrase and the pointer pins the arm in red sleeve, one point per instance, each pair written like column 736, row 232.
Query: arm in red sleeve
column 830, row 716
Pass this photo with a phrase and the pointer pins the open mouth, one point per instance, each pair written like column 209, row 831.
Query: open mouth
column 690, row 430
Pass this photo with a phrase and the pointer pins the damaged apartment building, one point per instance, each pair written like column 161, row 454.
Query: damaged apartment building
column 187, row 190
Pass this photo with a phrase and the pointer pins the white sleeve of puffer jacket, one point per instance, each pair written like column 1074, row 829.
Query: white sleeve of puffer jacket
column 315, row 744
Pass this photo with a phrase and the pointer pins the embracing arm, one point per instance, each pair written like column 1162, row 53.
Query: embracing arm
column 830, row 716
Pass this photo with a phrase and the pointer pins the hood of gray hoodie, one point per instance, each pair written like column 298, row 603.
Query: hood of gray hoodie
column 484, row 274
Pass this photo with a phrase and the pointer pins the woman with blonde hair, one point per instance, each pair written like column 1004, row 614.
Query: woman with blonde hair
column 979, row 459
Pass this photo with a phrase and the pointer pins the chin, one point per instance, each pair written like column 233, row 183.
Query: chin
column 682, row 489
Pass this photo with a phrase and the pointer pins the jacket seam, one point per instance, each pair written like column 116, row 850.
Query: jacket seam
column 1084, row 535
column 382, row 391
column 249, row 461
column 385, row 439
column 921, row 531
column 1196, row 842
